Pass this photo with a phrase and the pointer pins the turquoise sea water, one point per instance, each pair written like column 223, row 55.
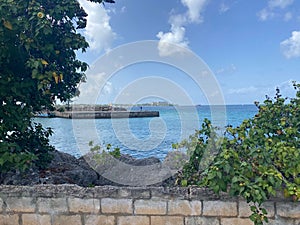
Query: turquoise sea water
column 141, row 137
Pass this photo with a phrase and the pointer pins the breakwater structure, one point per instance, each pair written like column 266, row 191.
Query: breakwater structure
column 105, row 114
column 98, row 112
column 110, row 205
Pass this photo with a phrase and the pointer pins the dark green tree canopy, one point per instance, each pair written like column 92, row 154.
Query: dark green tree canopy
column 38, row 64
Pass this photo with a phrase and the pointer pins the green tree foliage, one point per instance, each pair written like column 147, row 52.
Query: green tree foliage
column 38, row 64
column 257, row 159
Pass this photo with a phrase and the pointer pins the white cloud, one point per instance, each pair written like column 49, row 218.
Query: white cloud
column 178, row 22
column 223, row 8
column 286, row 85
column 286, row 89
column 195, row 8
column 227, row 70
column 245, row 90
column 259, row 91
column 107, row 89
column 123, row 9
column 273, row 9
column 98, row 31
column 280, row 3
column 288, row 16
column 167, row 40
column 265, row 14
column 291, row 46
column 90, row 88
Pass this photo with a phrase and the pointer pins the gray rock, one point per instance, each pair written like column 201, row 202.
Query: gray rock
column 93, row 170
column 128, row 171
column 64, row 169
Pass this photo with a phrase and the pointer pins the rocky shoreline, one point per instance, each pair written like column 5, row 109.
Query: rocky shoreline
column 66, row 169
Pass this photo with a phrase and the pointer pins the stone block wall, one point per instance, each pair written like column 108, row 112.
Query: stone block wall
column 107, row 205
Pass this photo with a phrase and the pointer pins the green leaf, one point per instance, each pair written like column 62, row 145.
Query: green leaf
column 40, row 86
column 253, row 208
column 264, row 211
column 235, row 179
column 184, row 183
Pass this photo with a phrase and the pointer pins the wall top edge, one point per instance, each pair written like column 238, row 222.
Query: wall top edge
column 69, row 190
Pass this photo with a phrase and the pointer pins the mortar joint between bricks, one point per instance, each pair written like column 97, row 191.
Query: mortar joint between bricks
column 133, row 206
column 238, row 207
column 167, row 205
column 150, row 194
column 52, row 218
column 4, row 206
column 115, row 220
column 99, row 202
column 82, row 218
column 189, row 193
column 67, row 202
column 34, row 199
column 184, row 220
column 100, row 208
column 20, row 218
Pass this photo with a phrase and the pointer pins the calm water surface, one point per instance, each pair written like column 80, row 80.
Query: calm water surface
column 140, row 137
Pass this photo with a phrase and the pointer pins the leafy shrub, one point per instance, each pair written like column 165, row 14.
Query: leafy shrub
column 201, row 148
column 103, row 153
column 256, row 159
column 20, row 150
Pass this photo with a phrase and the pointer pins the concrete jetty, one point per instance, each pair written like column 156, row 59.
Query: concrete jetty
column 105, row 114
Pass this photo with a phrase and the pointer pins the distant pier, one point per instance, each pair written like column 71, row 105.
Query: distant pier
column 105, row 114
column 86, row 111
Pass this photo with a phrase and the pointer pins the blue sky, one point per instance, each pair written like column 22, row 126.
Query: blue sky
column 251, row 47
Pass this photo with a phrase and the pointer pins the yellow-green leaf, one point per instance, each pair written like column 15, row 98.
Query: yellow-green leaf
column 7, row 24
column 44, row 62
column 184, row 183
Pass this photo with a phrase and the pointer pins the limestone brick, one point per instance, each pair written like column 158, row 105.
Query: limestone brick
column 123, row 206
column 99, row 220
column 9, row 219
column 288, row 209
column 133, row 220
column 167, row 220
column 22, row 204
column 84, row 205
column 201, row 221
column 219, row 208
column 184, row 207
column 244, row 209
column 35, row 219
column 66, row 219
column 150, row 207
column 52, row 205
column 282, row 221
column 236, row 221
